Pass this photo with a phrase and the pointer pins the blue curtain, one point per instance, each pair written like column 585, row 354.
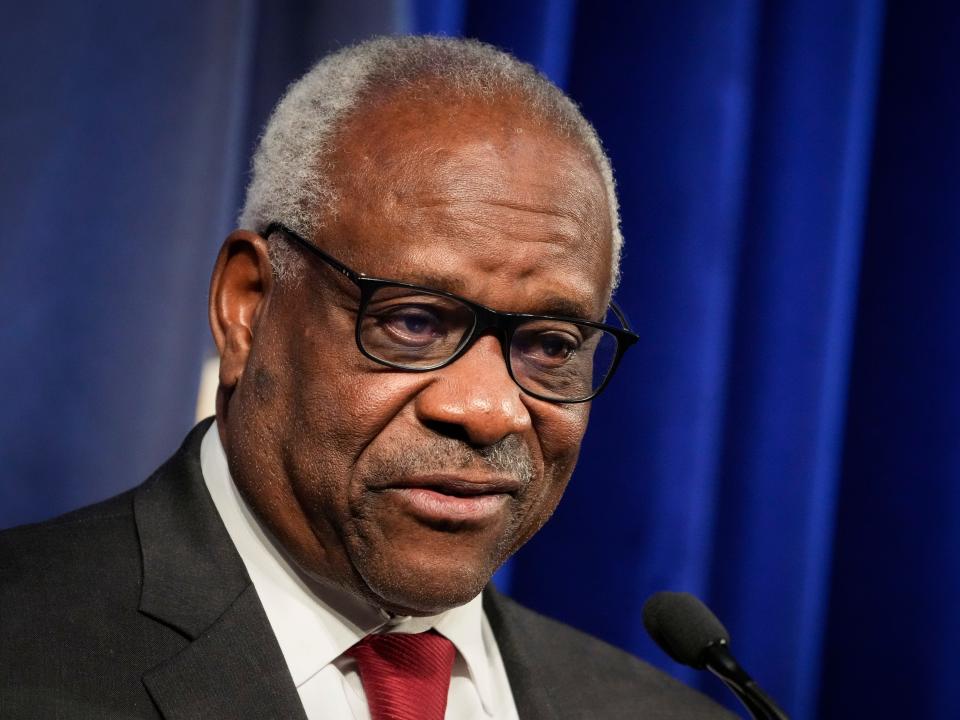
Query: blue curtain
column 782, row 441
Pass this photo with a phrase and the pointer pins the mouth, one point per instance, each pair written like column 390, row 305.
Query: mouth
column 454, row 498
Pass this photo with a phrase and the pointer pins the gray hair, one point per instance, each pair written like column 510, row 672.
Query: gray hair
column 291, row 166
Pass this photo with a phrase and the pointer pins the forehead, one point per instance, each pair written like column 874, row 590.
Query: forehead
column 469, row 194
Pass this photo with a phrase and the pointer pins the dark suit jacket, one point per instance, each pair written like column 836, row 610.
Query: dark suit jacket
column 140, row 607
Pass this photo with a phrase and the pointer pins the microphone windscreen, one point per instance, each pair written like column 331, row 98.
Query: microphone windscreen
column 682, row 626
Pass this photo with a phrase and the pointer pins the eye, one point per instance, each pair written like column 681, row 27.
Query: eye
column 411, row 325
column 556, row 347
column 547, row 348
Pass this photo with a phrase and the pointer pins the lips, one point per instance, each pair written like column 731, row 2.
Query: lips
column 454, row 498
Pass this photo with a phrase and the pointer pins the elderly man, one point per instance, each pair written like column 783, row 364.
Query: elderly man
column 411, row 325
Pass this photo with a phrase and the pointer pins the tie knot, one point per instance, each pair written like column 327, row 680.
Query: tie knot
column 405, row 676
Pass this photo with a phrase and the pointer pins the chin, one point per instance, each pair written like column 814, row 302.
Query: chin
column 429, row 589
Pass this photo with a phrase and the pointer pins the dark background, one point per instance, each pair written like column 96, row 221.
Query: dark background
column 783, row 440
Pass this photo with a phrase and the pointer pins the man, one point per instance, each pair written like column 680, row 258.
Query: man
column 411, row 325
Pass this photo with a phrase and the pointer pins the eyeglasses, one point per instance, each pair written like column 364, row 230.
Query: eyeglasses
column 410, row 327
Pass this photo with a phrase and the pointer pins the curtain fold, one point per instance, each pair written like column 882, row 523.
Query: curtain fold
column 120, row 146
column 896, row 582
column 788, row 370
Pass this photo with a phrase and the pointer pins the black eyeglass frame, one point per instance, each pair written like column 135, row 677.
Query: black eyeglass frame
column 485, row 318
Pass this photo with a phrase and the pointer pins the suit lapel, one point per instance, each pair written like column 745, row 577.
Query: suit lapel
column 524, row 671
column 233, row 670
column 195, row 582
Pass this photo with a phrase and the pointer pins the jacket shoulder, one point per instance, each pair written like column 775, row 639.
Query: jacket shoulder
column 73, row 640
column 69, row 542
column 582, row 676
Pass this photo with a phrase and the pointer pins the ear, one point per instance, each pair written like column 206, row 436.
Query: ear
column 241, row 284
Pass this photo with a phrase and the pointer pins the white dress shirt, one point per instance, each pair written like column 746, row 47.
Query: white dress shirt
column 315, row 626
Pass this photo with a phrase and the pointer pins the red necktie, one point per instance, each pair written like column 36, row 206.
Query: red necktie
column 405, row 676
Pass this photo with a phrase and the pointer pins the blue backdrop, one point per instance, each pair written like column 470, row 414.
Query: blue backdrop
column 783, row 440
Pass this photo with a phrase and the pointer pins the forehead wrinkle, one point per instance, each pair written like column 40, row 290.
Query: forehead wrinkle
column 550, row 228
column 453, row 197
column 469, row 176
column 464, row 201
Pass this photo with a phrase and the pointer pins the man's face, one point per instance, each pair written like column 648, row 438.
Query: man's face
column 409, row 489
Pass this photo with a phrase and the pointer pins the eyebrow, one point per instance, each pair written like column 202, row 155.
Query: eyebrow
column 549, row 305
column 453, row 285
column 564, row 307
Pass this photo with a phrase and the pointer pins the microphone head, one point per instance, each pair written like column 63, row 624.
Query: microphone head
column 682, row 626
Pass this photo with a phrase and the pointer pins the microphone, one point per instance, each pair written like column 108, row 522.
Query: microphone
column 687, row 631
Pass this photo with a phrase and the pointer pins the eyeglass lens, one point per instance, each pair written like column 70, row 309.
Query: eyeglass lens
column 415, row 329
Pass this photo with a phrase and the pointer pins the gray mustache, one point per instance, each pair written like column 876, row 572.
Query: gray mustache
column 509, row 456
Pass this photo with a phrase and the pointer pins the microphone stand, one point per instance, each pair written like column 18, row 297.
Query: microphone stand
column 718, row 660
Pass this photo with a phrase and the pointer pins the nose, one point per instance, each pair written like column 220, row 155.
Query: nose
column 474, row 398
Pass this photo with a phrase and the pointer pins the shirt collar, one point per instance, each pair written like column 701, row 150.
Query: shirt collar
column 315, row 624
column 463, row 626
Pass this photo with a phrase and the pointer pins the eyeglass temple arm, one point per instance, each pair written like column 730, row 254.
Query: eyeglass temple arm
column 310, row 247
column 621, row 316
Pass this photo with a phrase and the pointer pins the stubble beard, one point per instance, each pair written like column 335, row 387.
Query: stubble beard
column 509, row 457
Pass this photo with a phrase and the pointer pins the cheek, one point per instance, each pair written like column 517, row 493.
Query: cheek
column 340, row 411
column 343, row 404
column 559, row 430
column 344, row 407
